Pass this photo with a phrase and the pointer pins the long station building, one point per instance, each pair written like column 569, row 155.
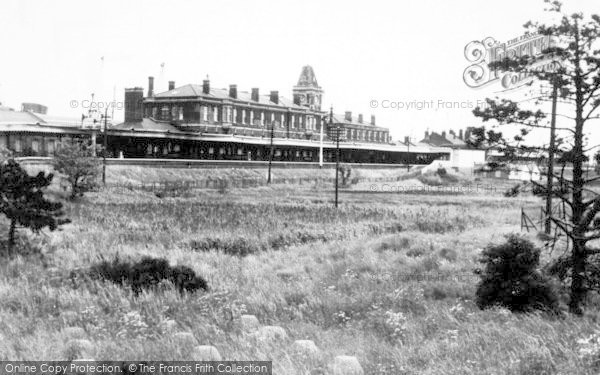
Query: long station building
column 198, row 121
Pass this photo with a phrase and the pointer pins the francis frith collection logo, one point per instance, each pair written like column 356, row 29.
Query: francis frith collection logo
column 480, row 54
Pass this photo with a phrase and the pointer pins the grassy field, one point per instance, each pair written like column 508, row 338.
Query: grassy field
column 387, row 277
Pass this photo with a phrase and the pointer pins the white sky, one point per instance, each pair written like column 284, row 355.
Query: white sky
column 360, row 50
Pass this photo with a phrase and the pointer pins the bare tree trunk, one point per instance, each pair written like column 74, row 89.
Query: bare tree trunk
column 578, row 288
column 578, row 254
column 11, row 235
column 73, row 189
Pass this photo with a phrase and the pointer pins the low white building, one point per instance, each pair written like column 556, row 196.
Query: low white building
column 524, row 172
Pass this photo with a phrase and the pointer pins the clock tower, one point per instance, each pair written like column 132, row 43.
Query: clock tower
column 307, row 92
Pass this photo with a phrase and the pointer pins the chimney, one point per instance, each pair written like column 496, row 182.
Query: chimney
column 255, row 94
column 372, row 119
column 233, row 91
column 171, row 85
column 406, row 140
column 444, row 134
column 150, row 87
column 360, row 118
column 206, row 86
column 452, row 133
column 460, row 134
column 426, row 134
column 275, row 97
column 348, row 116
column 134, row 98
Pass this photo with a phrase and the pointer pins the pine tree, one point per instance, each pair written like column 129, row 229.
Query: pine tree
column 578, row 84
column 22, row 201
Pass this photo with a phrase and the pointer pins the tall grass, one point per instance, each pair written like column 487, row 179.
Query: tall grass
column 386, row 277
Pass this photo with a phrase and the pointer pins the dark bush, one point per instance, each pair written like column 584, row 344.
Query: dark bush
column 147, row 274
column 441, row 172
column 344, row 173
column 513, row 191
column 557, row 189
column 511, row 279
column 448, row 254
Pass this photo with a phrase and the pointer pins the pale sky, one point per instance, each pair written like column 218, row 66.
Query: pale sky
column 361, row 51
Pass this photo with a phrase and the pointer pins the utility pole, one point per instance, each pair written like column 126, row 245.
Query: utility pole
column 408, row 152
column 337, row 153
column 105, row 146
column 271, row 153
column 321, row 143
column 550, row 174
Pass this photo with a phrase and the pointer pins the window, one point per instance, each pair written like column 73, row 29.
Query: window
column 235, row 115
column 18, row 147
column 262, row 118
column 35, row 145
column 211, row 150
column 164, row 112
column 215, row 114
column 50, row 146
column 204, row 113
column 251, row 117
column 243, row 116
column 283, row 120
column 272, row 117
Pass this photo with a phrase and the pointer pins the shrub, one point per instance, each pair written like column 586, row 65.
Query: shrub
column 513, row 191
column 344, row 172
column 5, row 154
column 80, row 168
column 223, row 186
column 511, row 278
column 540, row 191
column 448, row 254
column 441, row 172
column 147, row 274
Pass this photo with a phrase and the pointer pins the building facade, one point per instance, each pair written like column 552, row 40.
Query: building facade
column 203, row 122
